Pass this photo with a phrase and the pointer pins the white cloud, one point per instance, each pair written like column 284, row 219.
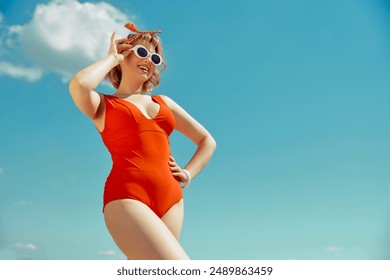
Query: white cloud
column 28, row 246
column 63, row 36
column 15, row 71
column 333, row 249
column 2, row 33
column 31, row 247
column 107, row 253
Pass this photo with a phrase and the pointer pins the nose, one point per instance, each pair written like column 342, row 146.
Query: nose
column 148, row 60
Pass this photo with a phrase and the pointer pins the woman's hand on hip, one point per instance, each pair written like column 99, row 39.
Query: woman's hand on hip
column 177, row 172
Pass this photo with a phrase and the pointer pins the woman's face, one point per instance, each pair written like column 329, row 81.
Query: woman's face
column 140, row 66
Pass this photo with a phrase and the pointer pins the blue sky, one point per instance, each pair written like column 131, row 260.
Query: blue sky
column 296, row 93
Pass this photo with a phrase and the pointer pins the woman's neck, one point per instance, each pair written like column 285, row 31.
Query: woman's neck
column 127, row 89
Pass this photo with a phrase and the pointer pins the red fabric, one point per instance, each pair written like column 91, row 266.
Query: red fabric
column 140, row 151
column 131, row 26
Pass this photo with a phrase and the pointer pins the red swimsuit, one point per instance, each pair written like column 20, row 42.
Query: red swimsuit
column 139, row 149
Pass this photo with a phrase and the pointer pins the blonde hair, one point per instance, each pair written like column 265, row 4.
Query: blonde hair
column 115, row 75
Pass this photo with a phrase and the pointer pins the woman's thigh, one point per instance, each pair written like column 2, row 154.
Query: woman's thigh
column 173, row 218
column 139, row 233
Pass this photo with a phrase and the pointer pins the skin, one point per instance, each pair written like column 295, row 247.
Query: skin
column 135, row 228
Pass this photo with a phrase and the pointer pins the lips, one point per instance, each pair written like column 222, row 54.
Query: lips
column 144, row 68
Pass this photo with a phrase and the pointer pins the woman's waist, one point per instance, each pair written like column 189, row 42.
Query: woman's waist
column 148, row 175
column 140, row 161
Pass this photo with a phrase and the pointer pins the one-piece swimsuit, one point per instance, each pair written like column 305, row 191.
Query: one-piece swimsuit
column 140, row 151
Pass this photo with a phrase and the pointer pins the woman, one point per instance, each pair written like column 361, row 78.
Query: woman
column 143, row 201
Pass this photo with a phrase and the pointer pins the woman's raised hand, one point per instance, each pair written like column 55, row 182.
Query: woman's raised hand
column 119, row 49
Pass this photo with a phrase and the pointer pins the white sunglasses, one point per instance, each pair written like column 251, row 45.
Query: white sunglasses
column 143, row 52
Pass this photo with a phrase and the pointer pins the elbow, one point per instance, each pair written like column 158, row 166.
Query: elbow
column 77, row 88
column 212, row 144
column 78, row 82
column 74, row 86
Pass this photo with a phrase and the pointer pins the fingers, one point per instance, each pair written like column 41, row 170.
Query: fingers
column 124, row 49
column 174, row 167
column 176, row 170
column 118, row 41
column 127, row 52
column 120, row 48
column 121, row 41
column 112, row 49
column 112, row 37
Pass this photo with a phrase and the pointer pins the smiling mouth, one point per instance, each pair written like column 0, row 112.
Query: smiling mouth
column 144, row 68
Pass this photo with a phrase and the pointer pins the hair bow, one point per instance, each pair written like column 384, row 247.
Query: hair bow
column 133, row 28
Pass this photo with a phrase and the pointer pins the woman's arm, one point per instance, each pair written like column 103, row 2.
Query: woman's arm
column 198, row 134
column 82, row 85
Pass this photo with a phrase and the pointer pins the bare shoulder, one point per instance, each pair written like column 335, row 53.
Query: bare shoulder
column 169, row 101
column 87, row 101
column 185, row 123
column 173, row 106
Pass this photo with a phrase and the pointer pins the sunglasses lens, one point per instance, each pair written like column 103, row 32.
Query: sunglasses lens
column 142, row 52
column 156, row 59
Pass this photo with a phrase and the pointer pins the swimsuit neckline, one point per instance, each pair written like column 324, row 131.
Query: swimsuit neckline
column 154, row 99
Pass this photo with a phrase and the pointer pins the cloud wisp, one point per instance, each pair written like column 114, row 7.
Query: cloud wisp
column 27, row 246
column 334, row 249
column 62, row 37
column 107, row 253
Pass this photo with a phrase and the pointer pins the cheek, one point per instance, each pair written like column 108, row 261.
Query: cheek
column 152, row 70
column 131, row 58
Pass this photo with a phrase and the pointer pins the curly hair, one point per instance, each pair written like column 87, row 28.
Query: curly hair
column 115, row 75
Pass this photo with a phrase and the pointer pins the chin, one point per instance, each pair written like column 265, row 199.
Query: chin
column 144, row 77
column 147, row 77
